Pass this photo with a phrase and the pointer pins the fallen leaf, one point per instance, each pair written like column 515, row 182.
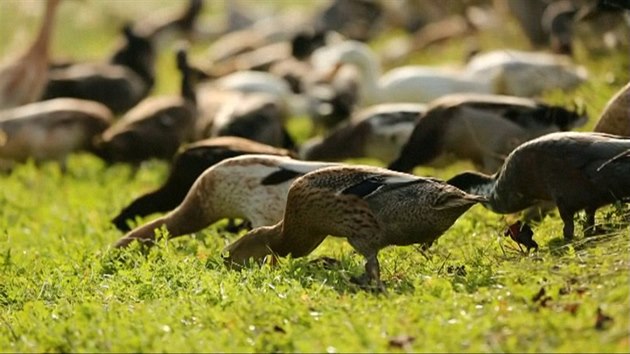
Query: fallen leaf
column 402, row 341
column 603, row 321
column 539, row 294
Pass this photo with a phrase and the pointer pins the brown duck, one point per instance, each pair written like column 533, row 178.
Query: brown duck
column 576, row 171
column 23, row 78
column 615, row 118
column 156, row 127
column 372, row 207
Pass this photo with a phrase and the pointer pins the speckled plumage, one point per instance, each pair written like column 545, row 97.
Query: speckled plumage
column 372, row 207
column 234, row 188
column 576, row 171
column 187, row 165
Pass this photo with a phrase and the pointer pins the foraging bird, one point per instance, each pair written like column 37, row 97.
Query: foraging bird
column 252, row 187
column 120, row 84
column 164, row 24
column 372, row 207
column 51, row 130
column 408, row 84
column 189, row 163
column 254, row 116
column 22, row 79
column 481, row 128
column 576, row 171
column 156, row 127
column 615, row 118
column 525, row 74
column 379, row 132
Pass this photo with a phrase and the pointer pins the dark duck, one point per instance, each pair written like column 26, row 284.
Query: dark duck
column 120, row 83
column 481, row 128
column 575, row 171
column 156, row 127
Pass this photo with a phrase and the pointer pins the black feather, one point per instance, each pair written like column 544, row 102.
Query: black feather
column 364, row 187
column 279, row 176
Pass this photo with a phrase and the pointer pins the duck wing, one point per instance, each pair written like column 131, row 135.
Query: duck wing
column 292, row 169
column 374, row 184
column 279, row 176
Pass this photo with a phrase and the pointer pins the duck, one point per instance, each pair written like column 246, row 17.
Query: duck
column 273, row 56
column 164, row 23
column 483, row 129
column 251, row 187
column 23, row 78
column 574, row 170
column 546, row 24
column 356, row 19
column 615, row 118
column 525, row 73
column 120, row 84
column 372, row 207
column 258, row 117
column 188, row 164
column 405, row 84
column 377, row 132
column 259, row 33
column 50, row 130
column 156, row 127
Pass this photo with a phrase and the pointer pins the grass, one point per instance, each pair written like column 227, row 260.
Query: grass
column 62, row 289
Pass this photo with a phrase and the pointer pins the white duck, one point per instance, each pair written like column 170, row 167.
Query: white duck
column 525, row 74
column 407, row 84
column 253, row 82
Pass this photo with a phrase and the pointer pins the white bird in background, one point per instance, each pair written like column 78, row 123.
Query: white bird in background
column 406, row 84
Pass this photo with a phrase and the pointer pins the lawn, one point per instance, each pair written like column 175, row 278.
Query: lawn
column 63, row 289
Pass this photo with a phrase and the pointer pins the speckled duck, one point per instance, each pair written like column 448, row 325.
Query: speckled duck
column 372, row 207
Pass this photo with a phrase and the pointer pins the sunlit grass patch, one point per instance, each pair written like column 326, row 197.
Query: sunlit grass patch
column 64, row 289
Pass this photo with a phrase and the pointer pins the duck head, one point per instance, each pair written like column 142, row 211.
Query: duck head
column 563, row 118
column 256, row 245
column 137, row 53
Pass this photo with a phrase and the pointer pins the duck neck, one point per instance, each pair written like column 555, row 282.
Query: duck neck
column 41, row 44
column 274, row 239
column 187, row 89
column 137, row 54
column 370, row 71
column 475, row 183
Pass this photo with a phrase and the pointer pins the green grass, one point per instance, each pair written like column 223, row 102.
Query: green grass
column 62, row 289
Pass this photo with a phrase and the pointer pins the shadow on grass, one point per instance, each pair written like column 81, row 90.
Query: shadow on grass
column 559, row 246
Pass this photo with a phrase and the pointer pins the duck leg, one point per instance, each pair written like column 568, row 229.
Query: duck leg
column 372, row 274
column 372, row 267
column 590, row 229
column 569, row 228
